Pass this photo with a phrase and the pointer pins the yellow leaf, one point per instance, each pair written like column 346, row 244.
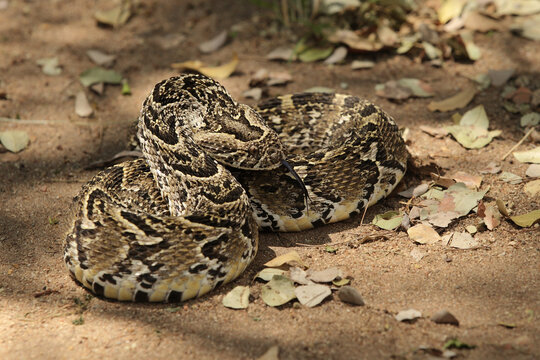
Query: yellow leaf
column 216, row 72
column 290, row 258
column 527, row 219
column 450, row 9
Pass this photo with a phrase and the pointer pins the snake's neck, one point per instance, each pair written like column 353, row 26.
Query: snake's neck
column 191, row 181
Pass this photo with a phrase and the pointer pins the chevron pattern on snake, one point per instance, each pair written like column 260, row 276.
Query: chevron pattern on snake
column 184, row 219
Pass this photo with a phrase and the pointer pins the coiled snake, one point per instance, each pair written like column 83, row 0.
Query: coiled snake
column 185, row 218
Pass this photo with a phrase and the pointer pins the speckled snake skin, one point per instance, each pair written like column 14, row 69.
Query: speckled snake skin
column 182, row 220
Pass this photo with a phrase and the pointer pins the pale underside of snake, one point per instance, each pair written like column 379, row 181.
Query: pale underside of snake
column 185, row 218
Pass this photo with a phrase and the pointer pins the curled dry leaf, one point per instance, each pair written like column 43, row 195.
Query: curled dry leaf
column 490, row 215
column 526, row 220
column 312, row 295
column 450, row 9
column 415, row 191
column 339, row 54
column 213, row 44
column 100, row 58
column 291, row 258
column 458, row 101
column 216, row 72
column 237, row 298
column 423, row 234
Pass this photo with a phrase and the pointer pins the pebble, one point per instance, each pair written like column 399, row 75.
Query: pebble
column 350, row 295
column 444, row 317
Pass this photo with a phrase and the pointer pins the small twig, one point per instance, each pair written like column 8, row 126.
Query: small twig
column 518, row 143
column 363, row 215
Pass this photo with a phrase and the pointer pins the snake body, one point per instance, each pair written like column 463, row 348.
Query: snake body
column 184, row 219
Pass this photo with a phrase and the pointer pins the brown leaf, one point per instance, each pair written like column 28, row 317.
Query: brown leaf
column 216, row 72
column 458, row 101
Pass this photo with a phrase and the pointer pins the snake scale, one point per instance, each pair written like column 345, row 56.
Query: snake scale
column 185, row 218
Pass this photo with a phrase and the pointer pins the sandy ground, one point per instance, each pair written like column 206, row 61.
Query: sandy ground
column 39, row 303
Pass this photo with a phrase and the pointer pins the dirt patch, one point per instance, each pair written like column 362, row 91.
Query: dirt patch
column 496, row 283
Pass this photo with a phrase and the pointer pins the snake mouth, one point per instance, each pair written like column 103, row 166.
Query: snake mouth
column 299, row 180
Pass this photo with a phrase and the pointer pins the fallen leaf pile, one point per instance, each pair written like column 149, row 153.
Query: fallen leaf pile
column 287, row 280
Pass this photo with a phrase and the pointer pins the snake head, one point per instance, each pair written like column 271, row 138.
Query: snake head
column 242, row 140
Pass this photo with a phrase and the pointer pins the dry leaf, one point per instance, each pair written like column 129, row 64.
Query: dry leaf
column 217, row 72
column 526, row 220
column 500, row 77
column 116, row 16
column 463, row 240
column 532, row 188
column 100, row 58
column 458, row 101
column 510, row 178
column 237, row 298
column 299, row 276
column 324, row 276
column 312, row 295
column 213, row 44
column 286, row 54
column 278, row 291
column 254, row 93
column 268, row 273
column 355, row 42
column 471, row 181
column 14, row 140
column 423, row 234
column 337, row 56
column 529, row 156
column 439, row 133
column 291, row 258
column 450, row 9
column 82, row 106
